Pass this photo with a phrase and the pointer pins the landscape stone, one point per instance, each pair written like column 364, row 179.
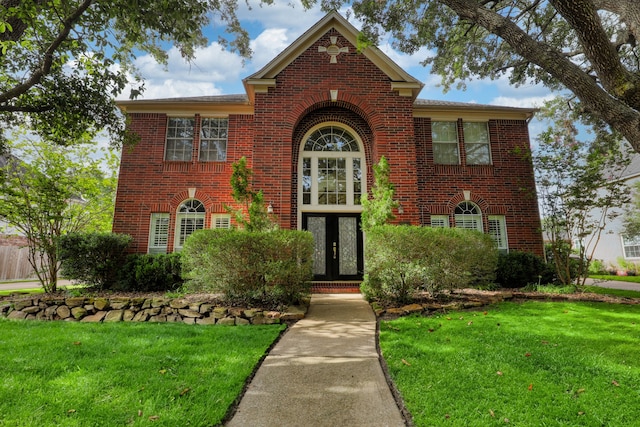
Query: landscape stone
column 63, row 312
column 189, row 313
column 98, row 317
column 31, row 310
column 158, row 302
column 178, row 303
column 128, row 315
column 120, row 303
column 141, row 316
column 101, row 303
column 159, row 318
column 114, row 316
column 50, row 311
column 146, row 304
column 228, row 321
column 206, row 321
column 220, row 312
column 195, row 306
column 17, row 315
column 78, row 312
column 74, row 302
column 412, row 308
column 241, row 322
column 205, row 308
column 293, row 313
column 189, row 320
column 20, row 304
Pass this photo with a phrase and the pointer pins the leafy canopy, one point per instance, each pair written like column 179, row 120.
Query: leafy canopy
column 62, row 62
column 588, row 47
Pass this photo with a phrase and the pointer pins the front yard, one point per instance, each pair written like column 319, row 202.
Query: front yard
column 118, row 374
column 525, row 364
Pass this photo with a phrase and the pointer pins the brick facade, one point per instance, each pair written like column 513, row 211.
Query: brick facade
column 304, row 88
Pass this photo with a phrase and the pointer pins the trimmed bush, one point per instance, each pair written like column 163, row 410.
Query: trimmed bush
column 519, row 269
column 93, row 258
column 151, row 273
column 402, row 260
column 247, row 267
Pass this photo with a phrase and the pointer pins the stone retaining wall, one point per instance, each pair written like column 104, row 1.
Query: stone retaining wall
column 141, row 309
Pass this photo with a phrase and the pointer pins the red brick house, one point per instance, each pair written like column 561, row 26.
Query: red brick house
column 312, row 123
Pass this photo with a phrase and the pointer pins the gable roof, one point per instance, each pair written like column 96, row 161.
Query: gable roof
column 401, row 81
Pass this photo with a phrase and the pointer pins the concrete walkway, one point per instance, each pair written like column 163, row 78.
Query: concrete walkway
column 324, row 371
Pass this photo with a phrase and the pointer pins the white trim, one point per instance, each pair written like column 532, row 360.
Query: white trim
column 361, row 154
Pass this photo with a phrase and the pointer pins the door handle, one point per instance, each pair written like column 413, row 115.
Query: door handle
column 334, row 250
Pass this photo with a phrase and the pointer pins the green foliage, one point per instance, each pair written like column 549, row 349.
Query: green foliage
column 518, row 269
column 403, row 260
column 64, row 62
column 174, row 374
column 48, row 191
column 257, row 218
column 379, row 209
column 250, row 266
column 524, row 364
column 631, row 218
column 560, row 44
column 151, row 273
column 93, row 258
column 577, row 187
column 597, row 267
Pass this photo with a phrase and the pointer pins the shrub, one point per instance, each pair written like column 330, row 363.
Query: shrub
column 250, row 266
column 518, row 269
column 93, row 258
column 402, row 260
column 596, row 266
column 151, row 273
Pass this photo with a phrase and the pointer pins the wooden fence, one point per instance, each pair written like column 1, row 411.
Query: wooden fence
column 14, row 263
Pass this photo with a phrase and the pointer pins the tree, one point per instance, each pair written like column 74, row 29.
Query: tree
column 379, row 209
column 588, row 47
column 631, row 219
column 49, row 191
column 62, row 62
column 578, row 186
column 257, row 216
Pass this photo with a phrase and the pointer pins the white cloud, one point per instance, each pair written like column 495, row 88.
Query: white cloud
column 268, row 45
column 524, row 102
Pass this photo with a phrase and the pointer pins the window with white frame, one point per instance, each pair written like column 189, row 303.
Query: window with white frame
column 179, row 144
column 498, row 231
column 468, row 216
column 158, row 233
column 476, row 143
column 444, row 136
column 440, row 221
column 213, row 139
column 221, row 221
column 331, row 168
column 631, row 247
column 190, row 218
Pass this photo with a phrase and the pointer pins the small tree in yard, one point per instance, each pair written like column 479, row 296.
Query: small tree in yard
column 49, row 190
column 256, row 218
column 379, row 209
column 578, row 187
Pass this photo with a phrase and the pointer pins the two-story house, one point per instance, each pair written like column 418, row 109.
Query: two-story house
column 312, row 123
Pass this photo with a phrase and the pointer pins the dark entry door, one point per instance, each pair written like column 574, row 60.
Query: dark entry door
column 338, row 251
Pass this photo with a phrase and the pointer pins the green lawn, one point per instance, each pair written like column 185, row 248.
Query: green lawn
column 529, row 364
column 82, row 374
column 633, row 279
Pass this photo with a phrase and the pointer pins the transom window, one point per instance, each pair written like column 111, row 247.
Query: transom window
column 468, row 215
column 189, row 219
column 179, row 144
column 331, row 168
column 213, row 140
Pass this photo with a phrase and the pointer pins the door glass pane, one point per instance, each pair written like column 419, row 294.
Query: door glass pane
column 317, row 227
column 347, row 231
column 306, row 181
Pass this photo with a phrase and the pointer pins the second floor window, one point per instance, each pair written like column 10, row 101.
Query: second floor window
column 476, row 143
column 179, row 145
column 213, row 139
column 445, row 143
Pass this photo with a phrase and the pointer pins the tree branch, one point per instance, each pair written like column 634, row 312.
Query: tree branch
column 48, row 56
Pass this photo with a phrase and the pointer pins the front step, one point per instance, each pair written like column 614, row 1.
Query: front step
column 345, row 287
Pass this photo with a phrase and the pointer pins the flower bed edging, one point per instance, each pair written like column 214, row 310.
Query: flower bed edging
column 142, row 309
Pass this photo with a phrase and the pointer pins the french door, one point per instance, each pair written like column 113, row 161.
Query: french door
column 338, row 253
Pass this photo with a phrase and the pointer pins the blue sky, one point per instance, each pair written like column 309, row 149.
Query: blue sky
column 216, row 71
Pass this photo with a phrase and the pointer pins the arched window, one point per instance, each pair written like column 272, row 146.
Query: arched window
column 469, row 216
column 331, row 168
column 189, row 219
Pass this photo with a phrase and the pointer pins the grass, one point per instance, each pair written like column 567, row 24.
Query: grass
column 529, row 364
column 83, row 374
column 632, row 279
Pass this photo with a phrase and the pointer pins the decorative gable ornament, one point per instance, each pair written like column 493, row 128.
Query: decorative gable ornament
column 333, row 50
